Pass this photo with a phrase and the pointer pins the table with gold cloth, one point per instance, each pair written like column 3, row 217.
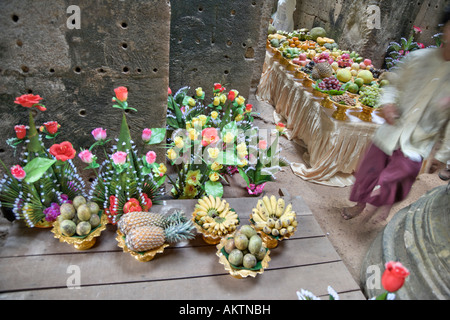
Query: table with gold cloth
column 334, row 147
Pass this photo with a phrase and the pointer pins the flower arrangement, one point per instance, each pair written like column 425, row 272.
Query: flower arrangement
column 45, row 178
column 126, row 181
column 209, row 140
column 392, row 280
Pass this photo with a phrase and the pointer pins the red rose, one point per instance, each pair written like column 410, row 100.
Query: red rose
column 231, row 95
column 121, row 94
column 30, row 100
column 18, row 172
column 169, row 91
column 52, row 127
column 131, row 206
column 63, row 151
column 21, row 131
column 394, row 276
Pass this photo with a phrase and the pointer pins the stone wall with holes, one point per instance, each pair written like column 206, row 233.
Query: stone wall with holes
column 347, row 22
column 218, row 41
column 119, row 43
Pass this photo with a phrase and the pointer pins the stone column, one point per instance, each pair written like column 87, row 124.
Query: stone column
column 76, row 67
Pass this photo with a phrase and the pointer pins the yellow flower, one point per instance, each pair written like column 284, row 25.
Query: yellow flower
column 242, row 150
column 203, row 119
column 216, row 101
column 179, row 143
column 188, row 125
column 239, row 117
column 240, row 100
column 213, row 152
column 244, row 162
column 214, row 115
column 196, row 122
column 191, row 102
column 216, row 166
column 193, row 177
column 172, row 154
column 223, row 98
column 193, row 134
column 162, row 169
column 199, row 92
column 229, row 137
column 214, row 176
column 189, row 191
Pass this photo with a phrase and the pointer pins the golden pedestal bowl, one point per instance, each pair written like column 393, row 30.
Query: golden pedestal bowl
column 241, row 272
column 79, row 242
column 140, row 256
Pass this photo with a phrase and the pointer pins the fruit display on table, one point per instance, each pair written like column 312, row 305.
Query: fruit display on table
column 144, row 234
column 275, row 219
column 243, row 254
column 214, row 218
column 79, row 223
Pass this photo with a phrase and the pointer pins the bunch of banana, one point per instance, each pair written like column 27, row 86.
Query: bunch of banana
column 215, row 216
column 274, row 217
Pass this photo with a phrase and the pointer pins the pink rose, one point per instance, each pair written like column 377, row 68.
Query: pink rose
column 121, row 93
column 119, row 158
column 262, row 144
column 86, row 156
column 146, row 134
column 18, row 172
column 99, row 134
column 209, row 135
column 150, row 157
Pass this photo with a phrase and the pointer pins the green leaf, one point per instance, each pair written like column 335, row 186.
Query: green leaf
column 158, row 135
column 36, row 168
column 214, row 188
column 244, row 175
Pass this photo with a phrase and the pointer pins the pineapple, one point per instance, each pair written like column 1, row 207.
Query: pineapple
column 149, row 237
column 139, row 219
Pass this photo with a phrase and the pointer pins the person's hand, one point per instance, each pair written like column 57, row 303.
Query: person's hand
column 390, row 113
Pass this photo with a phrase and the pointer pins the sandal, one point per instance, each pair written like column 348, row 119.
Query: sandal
column 444, row 174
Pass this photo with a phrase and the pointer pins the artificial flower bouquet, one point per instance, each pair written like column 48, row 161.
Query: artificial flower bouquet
column 44, row 179
column 208, row 141
column 126, row 181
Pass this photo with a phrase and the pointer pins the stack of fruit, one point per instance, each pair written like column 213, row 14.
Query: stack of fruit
column 214, row 218
column 370, row 95
column 146, row 233
column 78, row 218
column 274, row 218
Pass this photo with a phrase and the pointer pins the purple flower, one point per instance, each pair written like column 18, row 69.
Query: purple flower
column 52, row 212
column 256, row 190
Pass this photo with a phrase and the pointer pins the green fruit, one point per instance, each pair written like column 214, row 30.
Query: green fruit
column 68, row 228
column 67, row 211
column 248, row 231
column 384, row 83
column 229, row 245
column 317, row 32
column 359, row 82
column 261, row 254
column 241, row 241
column 78, row 200
column 353, row 88
column 83, row 228
column 275, row 43
column 366, row 75
column 254, row 244
column 94, row 221
column 249, row 261
column 83, row 212
column 235, row 257
column 344, row 75
column 93, row 207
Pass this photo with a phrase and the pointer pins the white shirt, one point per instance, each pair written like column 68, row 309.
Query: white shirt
column 421, row 85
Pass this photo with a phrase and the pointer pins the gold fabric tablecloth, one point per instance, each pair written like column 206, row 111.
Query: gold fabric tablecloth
column 334, row 147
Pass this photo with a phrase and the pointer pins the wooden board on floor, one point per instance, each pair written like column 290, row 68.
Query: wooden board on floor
column 35, row 265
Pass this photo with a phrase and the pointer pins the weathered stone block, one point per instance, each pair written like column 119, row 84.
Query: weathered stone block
column 218, row 41
column 119, row 43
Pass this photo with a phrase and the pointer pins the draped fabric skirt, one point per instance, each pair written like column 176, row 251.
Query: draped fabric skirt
column 390, row 178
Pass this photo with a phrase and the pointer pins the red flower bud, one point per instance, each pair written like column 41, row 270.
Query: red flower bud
column 394, row 276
